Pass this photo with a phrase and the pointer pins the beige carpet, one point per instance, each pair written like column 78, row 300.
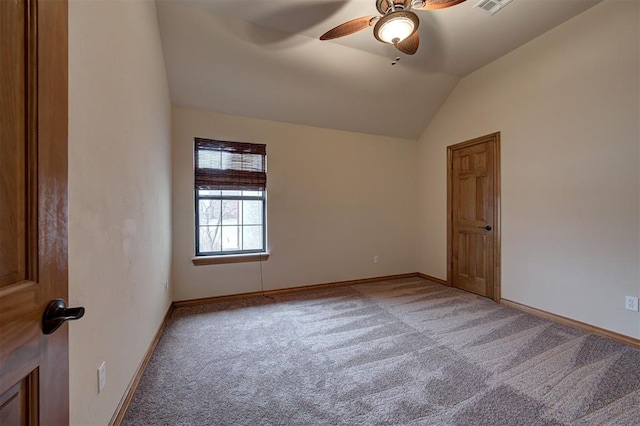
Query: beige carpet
column 397, row 352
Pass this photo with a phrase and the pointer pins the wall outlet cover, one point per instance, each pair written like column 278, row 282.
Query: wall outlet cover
column 102, row 376
column 631, row 303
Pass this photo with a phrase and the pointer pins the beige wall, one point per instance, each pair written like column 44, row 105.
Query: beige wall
column 567, row 107
column 335, row 200
column 119, row 196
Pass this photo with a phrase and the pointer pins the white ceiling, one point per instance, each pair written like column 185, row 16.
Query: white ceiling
column 263, row 59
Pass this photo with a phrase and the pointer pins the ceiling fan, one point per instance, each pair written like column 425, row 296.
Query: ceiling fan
column 397, row 26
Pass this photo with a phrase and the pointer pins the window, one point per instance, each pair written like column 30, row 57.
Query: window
column 230, row 193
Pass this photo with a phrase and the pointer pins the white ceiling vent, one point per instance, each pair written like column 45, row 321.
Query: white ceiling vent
column 492, row 6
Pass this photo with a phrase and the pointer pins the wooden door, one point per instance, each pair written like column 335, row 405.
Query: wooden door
column 34, row 372
column 473, row 189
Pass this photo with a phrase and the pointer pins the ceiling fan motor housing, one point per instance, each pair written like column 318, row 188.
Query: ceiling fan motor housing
column 386, row 6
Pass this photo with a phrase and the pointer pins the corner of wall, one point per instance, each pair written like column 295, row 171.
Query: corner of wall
column 119, row 197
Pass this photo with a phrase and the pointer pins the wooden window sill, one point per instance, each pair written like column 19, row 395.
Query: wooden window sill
column 229, row 258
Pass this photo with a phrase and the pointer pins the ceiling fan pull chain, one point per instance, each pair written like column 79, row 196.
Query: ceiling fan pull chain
column 397, row 59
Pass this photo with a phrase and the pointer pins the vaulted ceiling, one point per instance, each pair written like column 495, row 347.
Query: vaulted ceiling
column 263, row 59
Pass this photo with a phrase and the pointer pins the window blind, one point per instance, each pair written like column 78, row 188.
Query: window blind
column 230, row 165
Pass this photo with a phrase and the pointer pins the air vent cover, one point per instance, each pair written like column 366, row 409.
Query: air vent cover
column 491, row 6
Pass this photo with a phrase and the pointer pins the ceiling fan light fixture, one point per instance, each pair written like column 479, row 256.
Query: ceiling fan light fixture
column 396, row 30
column 396, row 26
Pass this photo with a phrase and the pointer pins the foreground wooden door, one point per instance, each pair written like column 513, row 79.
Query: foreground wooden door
column 34, row 372
column 474, row 243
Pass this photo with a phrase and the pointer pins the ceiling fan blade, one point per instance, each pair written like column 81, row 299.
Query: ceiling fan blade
column 438, row 4
column 410, row 44
column 347, row 28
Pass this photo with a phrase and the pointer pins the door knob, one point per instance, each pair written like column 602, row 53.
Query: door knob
column 488, row 227
column 57, row 313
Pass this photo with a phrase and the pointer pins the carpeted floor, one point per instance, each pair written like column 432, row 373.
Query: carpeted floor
column 397, row 352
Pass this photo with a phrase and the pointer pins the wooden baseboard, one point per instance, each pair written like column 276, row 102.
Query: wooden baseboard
column 122, row 408
column 557, row 318
column 216, row 299
column 574, row 323
column 434, row 279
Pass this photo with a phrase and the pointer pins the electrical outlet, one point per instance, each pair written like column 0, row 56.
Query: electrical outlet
column 102, row 376
column 375, row 259
column 631, row 303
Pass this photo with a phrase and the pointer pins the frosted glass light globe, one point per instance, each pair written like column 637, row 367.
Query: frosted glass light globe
column 395, row 30
column 394, row 27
